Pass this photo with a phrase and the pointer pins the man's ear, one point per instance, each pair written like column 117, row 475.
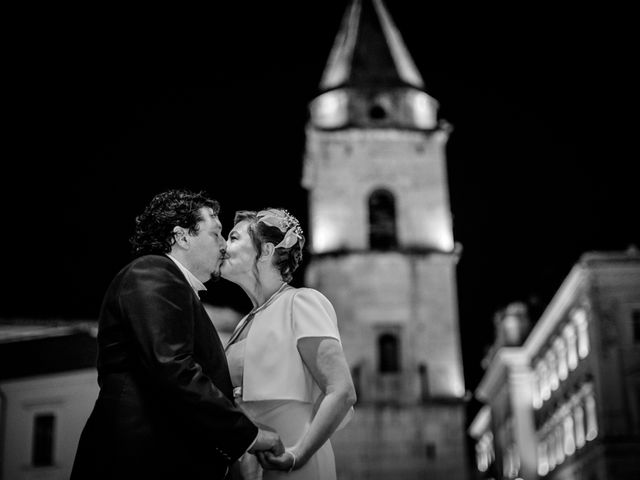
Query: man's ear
column 181, row 237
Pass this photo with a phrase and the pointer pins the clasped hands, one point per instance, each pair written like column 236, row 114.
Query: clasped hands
column 270, row 451
column 286, row 461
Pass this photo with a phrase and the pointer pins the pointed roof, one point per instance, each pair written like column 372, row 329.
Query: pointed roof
column 369, row 50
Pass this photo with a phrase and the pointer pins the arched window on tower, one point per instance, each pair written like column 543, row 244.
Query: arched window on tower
column 382, row 220
column 389, row 353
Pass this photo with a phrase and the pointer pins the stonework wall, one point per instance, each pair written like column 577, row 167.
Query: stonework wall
column 342, row 169
column 412, row 295
column 615, row 290
column 387, row 443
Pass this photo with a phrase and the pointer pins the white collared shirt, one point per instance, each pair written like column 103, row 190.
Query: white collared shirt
column 196, row 284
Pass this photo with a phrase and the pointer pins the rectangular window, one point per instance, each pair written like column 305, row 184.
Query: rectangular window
column 43, row 433
column 430, row 450
column 635, row 319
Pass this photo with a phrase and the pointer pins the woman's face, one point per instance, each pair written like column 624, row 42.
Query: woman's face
column 240, row 259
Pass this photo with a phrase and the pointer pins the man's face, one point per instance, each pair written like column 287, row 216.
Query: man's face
column 207, row 247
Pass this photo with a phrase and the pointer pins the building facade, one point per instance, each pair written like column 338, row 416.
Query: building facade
column 383, row 253
column 48, row 385
column 566, row 403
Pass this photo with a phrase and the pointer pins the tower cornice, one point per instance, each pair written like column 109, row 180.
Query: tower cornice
column 348, row 132
column 417, row 252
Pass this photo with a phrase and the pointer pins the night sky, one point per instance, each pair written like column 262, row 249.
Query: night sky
column 107, row 108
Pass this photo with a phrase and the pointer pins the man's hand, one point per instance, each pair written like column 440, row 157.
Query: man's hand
column 268, row 440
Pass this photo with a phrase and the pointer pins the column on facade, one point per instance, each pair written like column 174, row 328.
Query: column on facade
column 551, row 448
column 481, row 458
column 592, row 420
column 569, row 334
column 536, row 387
column 484, row 452
column 521, row 382
column 580, row 321
column 578, row 422
column 558, row 431
column 511, row 464
column 505, row 439
column 543, row 457
column 561, row 357
column 545, row 386
column 569, row 433
column 550, row 357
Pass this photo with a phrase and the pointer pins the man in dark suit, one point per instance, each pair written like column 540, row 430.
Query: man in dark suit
column 165, row 407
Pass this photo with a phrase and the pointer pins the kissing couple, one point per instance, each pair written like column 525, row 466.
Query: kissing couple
column 174, row 402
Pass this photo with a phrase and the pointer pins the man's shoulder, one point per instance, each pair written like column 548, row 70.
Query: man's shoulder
column 152, row 260
column 148, row 263
column 157, row 269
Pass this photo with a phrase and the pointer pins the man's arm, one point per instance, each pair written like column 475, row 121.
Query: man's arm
column 159, row 307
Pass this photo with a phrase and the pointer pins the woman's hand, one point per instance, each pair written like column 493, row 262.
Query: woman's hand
column 285, row 462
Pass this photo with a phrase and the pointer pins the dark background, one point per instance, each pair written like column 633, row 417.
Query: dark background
column 107, row 107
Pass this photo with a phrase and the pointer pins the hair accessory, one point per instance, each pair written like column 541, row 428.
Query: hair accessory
column 285, row 222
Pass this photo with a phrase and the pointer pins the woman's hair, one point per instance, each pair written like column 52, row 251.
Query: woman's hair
column 154, row 227
column 286, row 259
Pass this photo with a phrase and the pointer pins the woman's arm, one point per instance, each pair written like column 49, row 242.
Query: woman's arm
column 325, row 360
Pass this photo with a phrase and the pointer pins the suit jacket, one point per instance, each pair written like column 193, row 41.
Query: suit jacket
column 165, row 407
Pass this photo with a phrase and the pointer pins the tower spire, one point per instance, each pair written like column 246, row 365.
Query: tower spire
column 368, row 28
column 370, row 80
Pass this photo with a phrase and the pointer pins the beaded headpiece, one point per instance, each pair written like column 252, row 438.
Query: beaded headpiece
column 285, row 222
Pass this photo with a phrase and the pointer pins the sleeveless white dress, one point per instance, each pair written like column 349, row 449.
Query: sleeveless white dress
column 279, row 391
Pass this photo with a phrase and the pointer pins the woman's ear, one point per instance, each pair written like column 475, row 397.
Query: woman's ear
column 267, row 250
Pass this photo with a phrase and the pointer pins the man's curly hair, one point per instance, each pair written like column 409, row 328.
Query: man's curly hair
column 154, row 227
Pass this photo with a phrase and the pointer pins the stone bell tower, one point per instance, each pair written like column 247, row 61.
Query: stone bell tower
column 383, row 252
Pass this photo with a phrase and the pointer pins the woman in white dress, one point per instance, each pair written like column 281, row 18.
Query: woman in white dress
column 285, row 357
